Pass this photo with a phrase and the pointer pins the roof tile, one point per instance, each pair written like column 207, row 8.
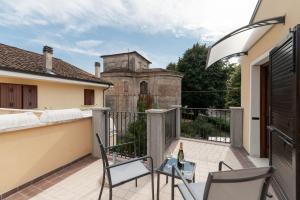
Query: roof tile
column 20, row 60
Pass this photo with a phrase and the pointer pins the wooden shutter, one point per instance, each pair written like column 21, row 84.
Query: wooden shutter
column 89, row 97
column 29, row 96
column 285, row 116
column 283, row 88
column 11, row 96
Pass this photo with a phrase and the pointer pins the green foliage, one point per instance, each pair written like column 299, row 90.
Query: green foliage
column 204, row 126
column 141, row 106
column 207, row 83
column 233, row 96
column 221, row 123
column 137, row 133
column 172, row 66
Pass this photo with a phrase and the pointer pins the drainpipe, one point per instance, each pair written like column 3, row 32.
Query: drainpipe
column 104, row 95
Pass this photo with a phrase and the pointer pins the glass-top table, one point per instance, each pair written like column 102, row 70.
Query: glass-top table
column 187, row 170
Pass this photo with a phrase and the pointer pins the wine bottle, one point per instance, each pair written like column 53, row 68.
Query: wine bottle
column 180, row 156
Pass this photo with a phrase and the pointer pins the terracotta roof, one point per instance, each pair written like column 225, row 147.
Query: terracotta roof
column 20, row 60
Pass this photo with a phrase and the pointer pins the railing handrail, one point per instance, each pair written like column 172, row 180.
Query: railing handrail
column 221, row 109
column 170, row 109
column 131, row 112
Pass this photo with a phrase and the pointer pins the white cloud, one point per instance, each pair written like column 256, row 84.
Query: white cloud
column 68, row 48
column 89, row 43
column 202, row 19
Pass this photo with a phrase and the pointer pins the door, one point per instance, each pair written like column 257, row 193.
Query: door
column 264, row 108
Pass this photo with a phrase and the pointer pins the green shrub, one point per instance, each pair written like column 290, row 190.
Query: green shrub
column 204, row 126
column 137, row 133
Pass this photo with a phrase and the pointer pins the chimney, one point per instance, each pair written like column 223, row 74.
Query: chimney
column 48, row 54
column 97, row 69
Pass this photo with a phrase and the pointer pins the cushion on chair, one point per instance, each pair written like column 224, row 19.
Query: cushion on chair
column 197, row 188
column 127, row 171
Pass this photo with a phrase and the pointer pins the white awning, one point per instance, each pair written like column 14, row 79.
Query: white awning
column 240, row 41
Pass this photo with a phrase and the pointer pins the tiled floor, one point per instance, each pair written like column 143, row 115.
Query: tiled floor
column 82, row 180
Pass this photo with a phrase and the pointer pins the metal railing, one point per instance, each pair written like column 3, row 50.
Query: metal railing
column 206, row 123
column 170, row 127
column 127, row 127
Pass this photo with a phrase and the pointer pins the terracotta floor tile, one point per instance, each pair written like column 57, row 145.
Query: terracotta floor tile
column 17, row 196
column 30, row 191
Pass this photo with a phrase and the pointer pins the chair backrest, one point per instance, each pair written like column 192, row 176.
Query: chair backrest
column 103, row 152
column 246, row 184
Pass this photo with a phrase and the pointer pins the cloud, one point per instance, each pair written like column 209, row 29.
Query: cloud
column 201, row 19
column 67, row 48
column 89, row 43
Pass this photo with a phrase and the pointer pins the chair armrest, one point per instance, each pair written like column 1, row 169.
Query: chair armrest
column 132, row 160
column 175, row 169
column 221, row 163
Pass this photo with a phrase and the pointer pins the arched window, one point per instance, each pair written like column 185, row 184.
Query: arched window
column 143, row 87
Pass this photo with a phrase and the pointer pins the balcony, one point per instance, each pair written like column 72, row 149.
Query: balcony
column 81, row 180
column 66, row 165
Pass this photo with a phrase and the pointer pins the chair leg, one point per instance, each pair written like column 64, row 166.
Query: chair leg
column 102, row 185
column 110, row 193
column 136, row 182
column 158, row 184
column 172, row 188
column 152, row 185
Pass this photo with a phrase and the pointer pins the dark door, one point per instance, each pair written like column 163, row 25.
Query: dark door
column 264, row 107
column 11, row 96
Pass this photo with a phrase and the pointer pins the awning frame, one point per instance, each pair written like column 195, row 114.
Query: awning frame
column 266, row 22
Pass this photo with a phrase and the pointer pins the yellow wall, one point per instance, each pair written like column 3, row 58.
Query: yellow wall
column 268, row 9
column 29, row 153
column 53, row 95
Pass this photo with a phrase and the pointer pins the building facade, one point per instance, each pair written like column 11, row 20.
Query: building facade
column 270, row 66
column 30, row 80
column 134, row 81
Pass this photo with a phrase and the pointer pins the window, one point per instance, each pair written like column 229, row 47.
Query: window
column 18, row 96
column 143, row 87
column 89, row 97
column 126, row 86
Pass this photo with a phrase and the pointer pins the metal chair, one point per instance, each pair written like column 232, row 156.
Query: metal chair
column 123, row 172
column 246, row 184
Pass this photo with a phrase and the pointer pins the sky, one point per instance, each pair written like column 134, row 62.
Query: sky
column 80, row 31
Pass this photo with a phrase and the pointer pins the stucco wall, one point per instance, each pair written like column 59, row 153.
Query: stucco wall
column 29, row 153
column 268, row 9
column 54, row 95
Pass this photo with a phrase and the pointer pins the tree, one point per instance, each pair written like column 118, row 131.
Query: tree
column 171, row 66
column 233, row 96
column 202, row 87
